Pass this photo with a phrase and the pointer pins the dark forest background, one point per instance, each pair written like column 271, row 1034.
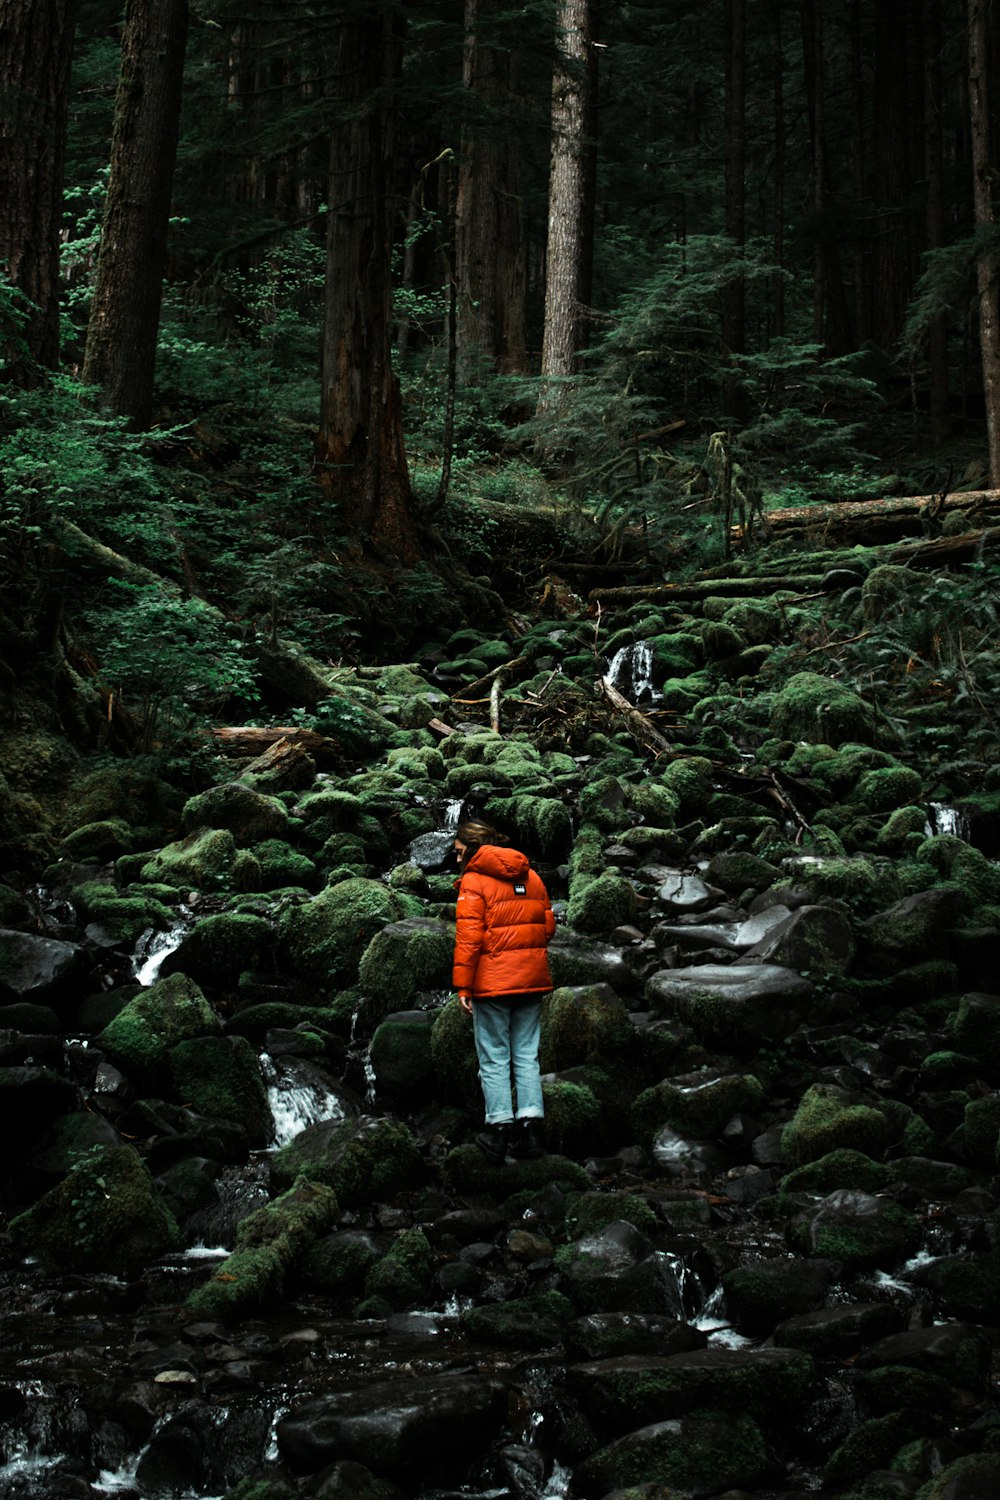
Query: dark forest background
column 343, row 324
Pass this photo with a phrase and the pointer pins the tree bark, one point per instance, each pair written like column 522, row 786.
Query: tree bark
column 490, row 252
column 359, row 447
column 125, row 313
column 734, row 291
column 560, row 342
column 935, row 212
column 36, row 38
column 983, row 170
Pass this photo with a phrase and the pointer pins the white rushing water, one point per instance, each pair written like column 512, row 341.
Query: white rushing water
column 153, row 947
column 630, row 671
column 297, row 1099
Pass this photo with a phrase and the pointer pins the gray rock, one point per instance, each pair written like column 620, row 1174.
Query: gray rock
column 30, row 964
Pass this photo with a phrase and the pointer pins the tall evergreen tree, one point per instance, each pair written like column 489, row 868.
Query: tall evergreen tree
column 359, row 448
column 125, row 313
column 36, row 38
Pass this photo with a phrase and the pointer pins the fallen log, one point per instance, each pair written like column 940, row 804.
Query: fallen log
column 886, row 519
column 639, row 726
column 250, row 741
column 504, row 672
column 688, row 593
column 941, row 550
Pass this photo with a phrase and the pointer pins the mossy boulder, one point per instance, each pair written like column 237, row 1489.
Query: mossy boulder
column 830, row 1119
column 573, row 1117
column 124, row 918
column 871, row 1446
column 402, row 1276
column 736, row 871
column 887, row 788
column 697, row 1104
column 324, row 938
column 534, row 1322
column 689, row 777
column 976, row 1476
column 820, row 710
column 220, row 1076
column 840, row 1168
column 699, row 1454
column 587, row 1213
column 863, row 1230
column 975, row 1027
column 270, row 1244
column 601, row 903
column 364, row 1160
column 405, row 958
column 221, row 947
column 338, row 1263
column 401, row 1053
column 453, row 1052
column 105, row 1216
column 98, row 842
column 913, row 930
column 248, row 814
column 140, row 1038
column 584, row 1024
column 271, row 865
column 203, row 860
column 466, row 1170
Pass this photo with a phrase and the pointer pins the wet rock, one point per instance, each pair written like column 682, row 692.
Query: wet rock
column 435, row 1427
column 348, row 1480
column 616, row 1393
column 405, row 958
column 577, row 960
column 813, row 939
column 522, row 1323
column 584, row 1024
column 913, row 929
column 400, row 1052
column 402, row 1276
column 760, row 1295
column 220, row 1076
column 696, row 1104
column 598, row 1336
column 857, row 1228
column 733, row 1005
column 697, row 1455
column 248, row 814
column 679, row 1156
column 324, row 938
column 221, row 947
column 839, row 1332
column 364, row 1160
column 30, row 965
column 617, row 1270
column 833, row 1119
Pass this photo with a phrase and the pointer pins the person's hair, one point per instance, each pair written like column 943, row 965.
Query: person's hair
column 474, row 833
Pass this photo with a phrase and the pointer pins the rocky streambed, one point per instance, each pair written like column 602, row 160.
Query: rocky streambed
column 249, row 1248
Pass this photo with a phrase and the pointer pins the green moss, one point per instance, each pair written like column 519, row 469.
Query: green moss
column 453, row 1053
column 827, row 1121
column 220, row 1077
column 584, row 1024
column 888, row 788
column 696, row 1104
column 841, row 1168
column 405, row 958
column 364, row 1160
column 269, row 1245
column 402, row 1276
column 201, row 859
column 249, row 815
column 126, row 917
column 104, row 1216
column 466, row 1170
column 600, row 903
column 703, row 1454
column 324, row 938
column 140, row 1038
column 572, row 1117
column 873, row 1445
column 821, row 710
column 521, row 1323
column 588, row 1213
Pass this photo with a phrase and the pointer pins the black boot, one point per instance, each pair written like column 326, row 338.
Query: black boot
column 493, row 1140
column 528, row 1141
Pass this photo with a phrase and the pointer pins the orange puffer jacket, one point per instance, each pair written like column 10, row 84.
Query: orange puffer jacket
column 503, row 924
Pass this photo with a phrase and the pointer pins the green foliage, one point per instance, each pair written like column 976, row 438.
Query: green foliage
column 167, row 653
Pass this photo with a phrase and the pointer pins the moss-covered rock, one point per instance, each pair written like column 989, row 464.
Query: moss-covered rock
column 586, row 1213
column 860, row 1229
column 325, row 938
column 140, row 1038
column 466, row 1170
column 271, row 865
column 584, row 1024
column 220, row 1076
column 887, row 788
column 338, row 1263
column 364, row 1160
column 248, row 814
column 840, row 1168
column 600, row 903
column 202, row 859
column 406, row 958
column 453, row 1052
column 105, row 1216
column 698, row 1454
column 124, row 917
column 820, row 710
column 573, row 1117
column 402, row 1276
column 223, row 946
column 829, row 1119
column 269, row 1245
column 696, row 1104
column 98, row 842
column 521, row 1323
column 872, row 1445
column 400, row 1052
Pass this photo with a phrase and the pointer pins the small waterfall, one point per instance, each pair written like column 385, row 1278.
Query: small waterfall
column 298, row 1096
column 631, row 671
column 153, row 947
column 452, row 814
column 942, row 819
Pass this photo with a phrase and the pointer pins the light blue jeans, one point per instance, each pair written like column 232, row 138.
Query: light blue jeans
column 507, row 1047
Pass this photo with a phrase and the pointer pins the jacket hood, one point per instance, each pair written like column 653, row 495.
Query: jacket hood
column 504, row 864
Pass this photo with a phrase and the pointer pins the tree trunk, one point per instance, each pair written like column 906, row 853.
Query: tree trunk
column 895, row 27
column 935, row 213
column 560, row 342
column 125, row 313
column 734, row 293
column 36, row 38
column 980, row 12
column 359, row 447
column 488, row 229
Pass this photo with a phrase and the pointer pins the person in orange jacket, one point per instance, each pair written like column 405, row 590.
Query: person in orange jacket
column 502, row 928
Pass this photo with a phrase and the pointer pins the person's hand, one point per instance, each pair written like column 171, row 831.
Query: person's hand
column 466, row 1003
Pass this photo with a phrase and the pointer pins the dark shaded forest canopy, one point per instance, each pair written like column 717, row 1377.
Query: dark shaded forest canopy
column 346, row 334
